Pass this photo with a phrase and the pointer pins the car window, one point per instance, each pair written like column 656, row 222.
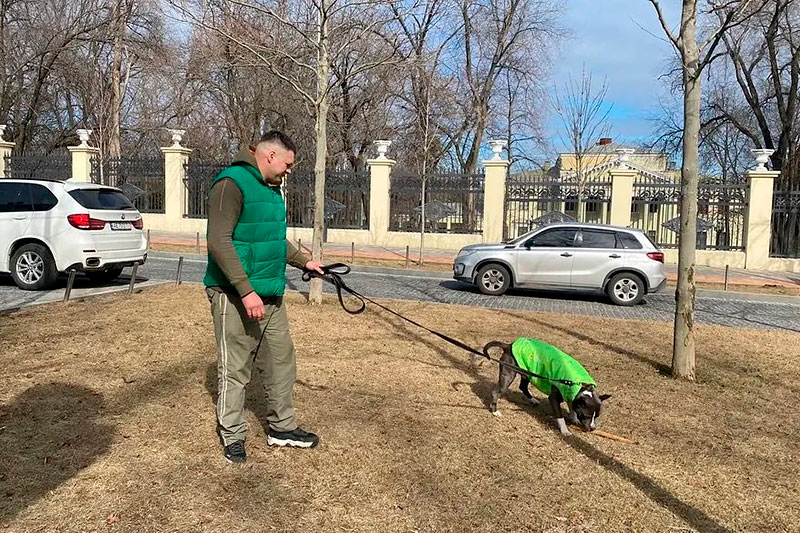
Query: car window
column 101, row 199
column 14, row 197
column 40, row 197
column 598, row 239
column 554, row 238
column 629, row 241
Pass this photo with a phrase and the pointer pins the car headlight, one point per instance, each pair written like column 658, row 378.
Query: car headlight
column 465, row 253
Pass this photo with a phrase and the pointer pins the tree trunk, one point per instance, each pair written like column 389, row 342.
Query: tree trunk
column 114, row 142
column 683, row 349
column 323, row 73
column 422, row 218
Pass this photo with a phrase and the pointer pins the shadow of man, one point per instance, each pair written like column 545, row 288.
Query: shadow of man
column 48, row 434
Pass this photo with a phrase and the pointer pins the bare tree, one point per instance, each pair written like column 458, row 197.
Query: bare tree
column 584, row 116
column 694, row 57
column 764, row 55
column 424, row 40
column 308, row 37
column 497, row 36
column 521, row 124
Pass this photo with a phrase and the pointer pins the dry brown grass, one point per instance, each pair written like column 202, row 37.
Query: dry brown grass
column 107, row 423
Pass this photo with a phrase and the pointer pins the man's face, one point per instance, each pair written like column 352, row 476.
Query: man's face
column 274, row 162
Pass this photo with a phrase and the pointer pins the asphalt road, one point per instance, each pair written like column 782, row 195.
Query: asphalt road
column 713, row 307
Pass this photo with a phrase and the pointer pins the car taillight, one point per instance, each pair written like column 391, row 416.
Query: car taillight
column 84, row 221
column 656, row 256
column 138, row 224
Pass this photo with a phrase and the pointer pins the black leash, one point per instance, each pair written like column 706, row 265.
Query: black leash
column 333, row 273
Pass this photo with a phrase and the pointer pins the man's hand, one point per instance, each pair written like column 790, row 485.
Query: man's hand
column 315, row 266
column 253, row 305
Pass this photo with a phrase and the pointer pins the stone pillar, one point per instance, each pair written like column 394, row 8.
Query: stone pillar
column 621, row 196
column 621, row 189
column 758, row 217
column 5, row 151
column 82, row 157
column 380, row 170
column 175, row 192
column 494, row 193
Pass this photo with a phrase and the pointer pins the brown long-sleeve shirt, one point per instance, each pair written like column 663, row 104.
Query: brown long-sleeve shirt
column 224, row 207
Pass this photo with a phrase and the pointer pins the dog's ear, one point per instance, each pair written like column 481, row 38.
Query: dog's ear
column 604, row 397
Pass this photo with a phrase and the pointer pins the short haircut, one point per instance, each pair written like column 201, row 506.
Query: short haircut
column 278, row 137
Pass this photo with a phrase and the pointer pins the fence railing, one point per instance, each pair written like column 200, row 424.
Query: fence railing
column 453, row 202
column 346, row 196
column 655, row 209
column 536, row 200
column 199, row 176
column 655, row 206
column 56, row 166
column 346, row 199
column 786, row 223
column 141, row 179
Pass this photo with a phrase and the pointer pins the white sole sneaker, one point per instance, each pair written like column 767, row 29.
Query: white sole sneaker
column 272, row 441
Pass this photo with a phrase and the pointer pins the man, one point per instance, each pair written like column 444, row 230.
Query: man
column 245, row 280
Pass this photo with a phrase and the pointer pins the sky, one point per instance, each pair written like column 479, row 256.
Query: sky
column 610, row 37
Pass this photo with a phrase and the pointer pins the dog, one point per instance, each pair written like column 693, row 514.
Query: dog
column 541, row 358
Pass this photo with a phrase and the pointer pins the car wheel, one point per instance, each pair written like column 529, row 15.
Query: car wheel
column 33, row 267
column 625, row 289
column 102, row 276
column 493, row 279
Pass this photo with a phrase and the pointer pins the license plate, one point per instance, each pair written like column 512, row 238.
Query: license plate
column 120, row 226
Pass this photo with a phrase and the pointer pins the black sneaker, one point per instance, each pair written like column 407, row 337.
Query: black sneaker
column 234, row 452
column 298, row 438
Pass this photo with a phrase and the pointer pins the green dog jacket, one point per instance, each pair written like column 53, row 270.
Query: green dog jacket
column 543, row 359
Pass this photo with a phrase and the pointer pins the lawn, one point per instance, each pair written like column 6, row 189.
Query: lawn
column 107, row 424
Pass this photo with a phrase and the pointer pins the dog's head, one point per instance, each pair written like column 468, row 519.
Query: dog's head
column 587, row 406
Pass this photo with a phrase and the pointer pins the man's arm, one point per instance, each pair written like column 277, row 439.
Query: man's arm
column 224, row 208
column 295, row 256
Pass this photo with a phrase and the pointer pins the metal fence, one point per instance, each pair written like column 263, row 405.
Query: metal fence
column 346, row 199
column 199, row 176
column 57, row 166
column 539, row 199
column 346, row 196
column 453, row 202
column 786, row 222
column 655, row 209
column 141, row 179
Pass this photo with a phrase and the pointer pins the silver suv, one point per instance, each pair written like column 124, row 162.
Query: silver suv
column 622, row 262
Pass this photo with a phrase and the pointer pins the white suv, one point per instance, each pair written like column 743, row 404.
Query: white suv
column 49, row 226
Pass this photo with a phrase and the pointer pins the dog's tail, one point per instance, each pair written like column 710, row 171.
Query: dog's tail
column 495, row 344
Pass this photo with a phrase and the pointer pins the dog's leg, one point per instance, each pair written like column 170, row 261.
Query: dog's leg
column 504, row 381
column 573, row 417
column 523, row 386
column 555, row 403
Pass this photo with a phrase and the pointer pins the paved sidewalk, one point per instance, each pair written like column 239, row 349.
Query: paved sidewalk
column 432, row 255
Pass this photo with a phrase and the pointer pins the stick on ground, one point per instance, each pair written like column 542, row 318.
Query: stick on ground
column 610, row 436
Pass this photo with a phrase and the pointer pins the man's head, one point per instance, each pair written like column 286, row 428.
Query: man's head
column 275, row 156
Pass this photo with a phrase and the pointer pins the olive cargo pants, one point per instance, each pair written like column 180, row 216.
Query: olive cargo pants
column 237, row 341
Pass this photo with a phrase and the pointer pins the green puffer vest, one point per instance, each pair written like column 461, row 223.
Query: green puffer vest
column 260, row 235
column 546, row 360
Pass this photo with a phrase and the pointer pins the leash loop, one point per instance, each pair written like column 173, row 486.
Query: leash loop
column 333, row 273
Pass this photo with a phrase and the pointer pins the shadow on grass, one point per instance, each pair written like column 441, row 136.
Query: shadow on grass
column 48, row 434
column 649, row 487
column 657, row 365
